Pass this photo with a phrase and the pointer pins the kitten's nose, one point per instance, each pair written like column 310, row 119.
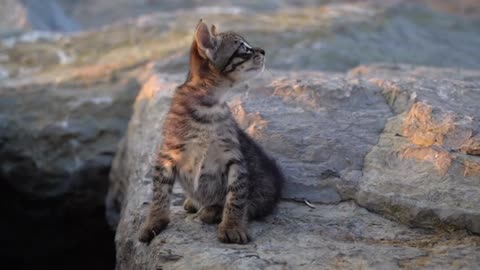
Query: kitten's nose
column 260, row 50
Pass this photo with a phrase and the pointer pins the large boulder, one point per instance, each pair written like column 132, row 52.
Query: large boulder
column 56, row 146
column 329, row 133
column 334, row 36
column 58, row 137
column 425, row 168
column 22, row 15
column 93, row 13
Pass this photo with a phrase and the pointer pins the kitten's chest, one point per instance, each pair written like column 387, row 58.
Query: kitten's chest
column 202, row 156
column 205, row 154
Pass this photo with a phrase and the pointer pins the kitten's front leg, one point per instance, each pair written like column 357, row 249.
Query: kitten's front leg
column 159, row 213
column 233, row 228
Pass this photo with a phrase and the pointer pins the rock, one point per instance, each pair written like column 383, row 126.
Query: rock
column 57, row 143
column 24, row 15
column 334, row 136
column 329, row 36
column 424, row 169
column 341, row 236
column 49, row 15
column 14, row 16
column 339, row 36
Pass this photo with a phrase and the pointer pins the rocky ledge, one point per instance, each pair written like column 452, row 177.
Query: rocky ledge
column 387, row 154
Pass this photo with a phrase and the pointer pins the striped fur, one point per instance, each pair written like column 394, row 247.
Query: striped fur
column 227, row 177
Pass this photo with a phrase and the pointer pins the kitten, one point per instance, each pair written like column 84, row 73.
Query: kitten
column 226, row 176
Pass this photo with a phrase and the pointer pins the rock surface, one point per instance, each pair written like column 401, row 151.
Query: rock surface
column 424, row 169
column 341, row 236
column 335, row 136
column 13, row 16
column 330, row 36
column 57, row 142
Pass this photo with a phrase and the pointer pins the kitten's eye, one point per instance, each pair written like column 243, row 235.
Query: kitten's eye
column 246, row 49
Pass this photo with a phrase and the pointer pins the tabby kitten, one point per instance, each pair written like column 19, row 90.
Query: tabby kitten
column 226, row 176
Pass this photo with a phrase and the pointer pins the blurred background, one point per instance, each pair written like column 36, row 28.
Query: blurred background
column 70, row 70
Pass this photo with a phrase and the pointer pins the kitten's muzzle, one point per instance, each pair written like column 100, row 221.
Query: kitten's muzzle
column 259, row 50
column 259, row 55
column 258, row 58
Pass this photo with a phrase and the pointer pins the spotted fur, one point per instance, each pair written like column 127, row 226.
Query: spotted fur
column 227, row 177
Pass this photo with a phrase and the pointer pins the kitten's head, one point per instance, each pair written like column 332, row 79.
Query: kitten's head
column 228, row 54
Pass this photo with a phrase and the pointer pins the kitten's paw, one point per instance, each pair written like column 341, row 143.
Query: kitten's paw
column 211, row 214
column 151, row 229
column 235, row 235
column 189, row 206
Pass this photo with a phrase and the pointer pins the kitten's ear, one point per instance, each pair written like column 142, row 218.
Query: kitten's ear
column 204, row 39
column 214, row 30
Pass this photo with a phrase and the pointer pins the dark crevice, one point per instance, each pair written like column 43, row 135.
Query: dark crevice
column 65, row 231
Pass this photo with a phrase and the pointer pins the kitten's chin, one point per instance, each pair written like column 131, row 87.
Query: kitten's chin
column 247, row 75
column 261, row 69
column 254, row 72
column 258, row 71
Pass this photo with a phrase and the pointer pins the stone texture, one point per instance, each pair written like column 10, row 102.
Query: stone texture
column 57, row 143
column 341, row 236
column 93, row 13
column 337, row 137
column 424, row 169
column 13, row 16
column 333, row 36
